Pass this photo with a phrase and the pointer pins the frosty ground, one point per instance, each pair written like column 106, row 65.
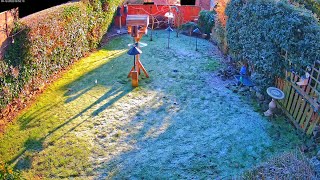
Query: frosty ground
column 180, row 123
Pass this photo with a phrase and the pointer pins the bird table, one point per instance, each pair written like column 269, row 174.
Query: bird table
column 137, row 27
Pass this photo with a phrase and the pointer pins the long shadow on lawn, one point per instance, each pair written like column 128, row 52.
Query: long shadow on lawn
column 105, row 74
column 144, row 131
column 195, row 143
column 108, row 69
column 120, row 91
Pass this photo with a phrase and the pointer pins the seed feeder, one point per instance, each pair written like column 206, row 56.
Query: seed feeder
column 197, row 32
column 275, row 94
column 119, row 14
column 169, row 29
column 170, row 16
column 137, row 27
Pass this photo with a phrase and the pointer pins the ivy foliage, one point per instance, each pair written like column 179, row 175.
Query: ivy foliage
column 262, row 32
column 51, row 41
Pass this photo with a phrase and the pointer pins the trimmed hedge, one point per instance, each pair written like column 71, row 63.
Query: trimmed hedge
column 49, row 41
column 262, row 31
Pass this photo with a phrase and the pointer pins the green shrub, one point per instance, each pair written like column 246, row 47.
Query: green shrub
column 206, row 21
column 262, row 32
column 51, row 41
column 189, row 27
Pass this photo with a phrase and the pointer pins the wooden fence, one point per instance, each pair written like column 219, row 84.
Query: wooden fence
column 301, row 102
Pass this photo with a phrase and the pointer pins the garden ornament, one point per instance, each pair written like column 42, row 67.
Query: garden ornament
column 305, row 79
column 275, row 94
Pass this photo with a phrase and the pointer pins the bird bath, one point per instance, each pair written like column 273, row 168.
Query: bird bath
column 275, row 94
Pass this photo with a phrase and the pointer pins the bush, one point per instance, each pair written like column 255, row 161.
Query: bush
column 292, row 165
column 49, row 42
column 189, row 27
column 263, row 32
column 206, row 21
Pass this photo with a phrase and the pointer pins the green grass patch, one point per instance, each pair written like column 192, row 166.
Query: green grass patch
column 212, row 65
column 43, row 142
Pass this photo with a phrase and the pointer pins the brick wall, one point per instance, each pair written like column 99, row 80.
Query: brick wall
column 7, row 19
column 157, row 2
column 189, row 13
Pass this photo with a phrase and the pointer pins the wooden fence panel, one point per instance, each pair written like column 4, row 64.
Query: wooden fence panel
column 301, row 103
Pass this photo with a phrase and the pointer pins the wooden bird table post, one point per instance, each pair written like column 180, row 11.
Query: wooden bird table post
column 137, row 27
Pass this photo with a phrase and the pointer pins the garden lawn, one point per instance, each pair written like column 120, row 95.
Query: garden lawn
column 180, row 123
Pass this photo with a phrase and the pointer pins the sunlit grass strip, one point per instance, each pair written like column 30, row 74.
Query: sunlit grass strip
column 36, row 127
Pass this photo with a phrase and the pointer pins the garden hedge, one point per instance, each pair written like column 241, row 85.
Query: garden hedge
column 50, row 41
column 262, row 31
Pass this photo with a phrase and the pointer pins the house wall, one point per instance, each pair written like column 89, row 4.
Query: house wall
column 7, row 19
column 187, row 13
column 157, row 2
column 204, row 4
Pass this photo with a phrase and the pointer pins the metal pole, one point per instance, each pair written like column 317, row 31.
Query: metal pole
column 134, row 62
column 168, row 39
column 152, row 23
column 197, row 43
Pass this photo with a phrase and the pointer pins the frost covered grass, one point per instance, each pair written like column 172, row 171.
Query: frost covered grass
column 180, row 123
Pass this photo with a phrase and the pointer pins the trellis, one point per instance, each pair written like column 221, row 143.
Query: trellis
column 301, row 103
